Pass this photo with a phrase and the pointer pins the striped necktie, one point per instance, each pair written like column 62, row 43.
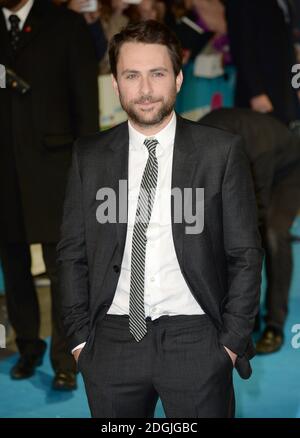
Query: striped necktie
column 14, row 31
column 137, row 323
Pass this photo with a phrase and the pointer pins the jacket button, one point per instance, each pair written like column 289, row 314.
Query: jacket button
column 116, row 268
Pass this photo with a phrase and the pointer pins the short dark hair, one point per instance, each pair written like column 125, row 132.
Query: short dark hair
column 149, row 32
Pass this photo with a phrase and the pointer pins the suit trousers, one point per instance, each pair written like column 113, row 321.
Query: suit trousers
column 23, row 307
column 180, row 360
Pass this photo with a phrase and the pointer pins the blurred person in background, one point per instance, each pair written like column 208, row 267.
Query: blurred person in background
column 94, row 23
column 116, row 14
column 51, row 49
column 211, row 18
column 274, row 154
column 261, row 42
column 207, row 26
column 296, row 28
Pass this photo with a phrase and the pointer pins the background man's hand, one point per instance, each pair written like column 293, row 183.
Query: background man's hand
column 76, row 354
column 76, row 5
column 261, row 103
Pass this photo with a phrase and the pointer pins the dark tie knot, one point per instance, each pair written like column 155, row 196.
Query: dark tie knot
column 14, row 21
column 150, row 144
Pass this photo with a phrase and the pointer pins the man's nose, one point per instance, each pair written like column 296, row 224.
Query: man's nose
column 146, row 87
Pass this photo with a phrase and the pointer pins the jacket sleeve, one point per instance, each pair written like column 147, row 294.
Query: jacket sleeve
column 72, row 260
column 243, row 250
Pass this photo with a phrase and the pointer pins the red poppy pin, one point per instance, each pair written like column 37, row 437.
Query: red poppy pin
column 27, row 29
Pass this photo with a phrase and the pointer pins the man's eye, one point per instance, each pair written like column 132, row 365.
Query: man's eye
column 158, row 73
column 131, row 76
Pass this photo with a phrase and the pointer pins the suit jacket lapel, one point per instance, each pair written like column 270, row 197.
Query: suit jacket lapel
column 119, row 171
column 183, row 172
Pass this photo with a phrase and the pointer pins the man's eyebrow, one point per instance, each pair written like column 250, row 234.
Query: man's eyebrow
column 159, row 69
column 127, row 71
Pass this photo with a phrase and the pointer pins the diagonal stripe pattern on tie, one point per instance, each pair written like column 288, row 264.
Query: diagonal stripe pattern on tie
column 137, row 323
column 14, row 31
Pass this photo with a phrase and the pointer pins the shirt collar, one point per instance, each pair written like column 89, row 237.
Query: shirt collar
column 21, row 13
column 165, row 137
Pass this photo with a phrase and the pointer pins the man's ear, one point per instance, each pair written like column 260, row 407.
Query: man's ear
column 115, row 84
column 179, row 80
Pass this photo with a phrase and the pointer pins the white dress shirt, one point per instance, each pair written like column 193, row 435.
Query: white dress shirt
column 21, row 13
column 165, row 290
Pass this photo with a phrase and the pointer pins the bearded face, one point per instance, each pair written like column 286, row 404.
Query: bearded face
column 146, row 84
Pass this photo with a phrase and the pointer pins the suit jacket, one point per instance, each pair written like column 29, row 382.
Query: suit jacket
column 57, row 58
column 273, row 150
column 262, row 47
column 221, row 265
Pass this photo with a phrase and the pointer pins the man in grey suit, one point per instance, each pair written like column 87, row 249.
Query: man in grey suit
column 159, row 301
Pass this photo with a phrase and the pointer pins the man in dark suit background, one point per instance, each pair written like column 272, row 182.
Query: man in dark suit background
column 50, row 49
column 274, row 154
column 155, row 305
column 261, row 42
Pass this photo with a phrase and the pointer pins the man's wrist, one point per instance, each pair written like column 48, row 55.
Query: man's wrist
column 232, row 354
column 79, row 346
